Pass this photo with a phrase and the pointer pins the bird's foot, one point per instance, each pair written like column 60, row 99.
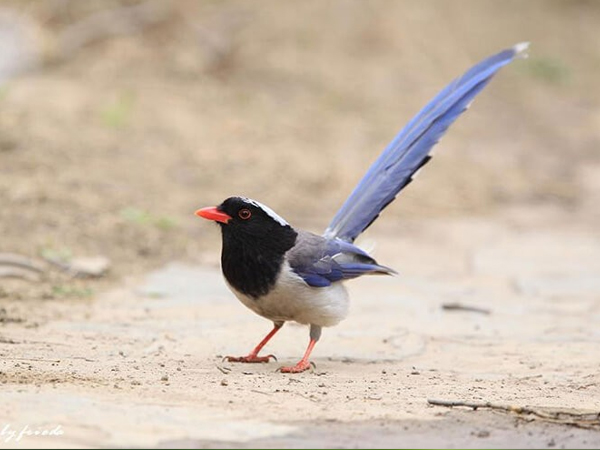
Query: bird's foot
column 302, row 366
column 249, row 359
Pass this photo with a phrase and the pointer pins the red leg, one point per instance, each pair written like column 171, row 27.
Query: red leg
column 253, row 356
column 304, row 363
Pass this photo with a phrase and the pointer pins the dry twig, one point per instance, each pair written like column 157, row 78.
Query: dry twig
column 224, row 370
column 13, row 259
column 13, row 265
column 455, row 306
column 566, row 416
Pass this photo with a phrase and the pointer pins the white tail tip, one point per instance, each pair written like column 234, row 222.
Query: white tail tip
column 521, row 49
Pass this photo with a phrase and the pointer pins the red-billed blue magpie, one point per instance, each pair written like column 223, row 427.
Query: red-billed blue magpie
column 286, row 274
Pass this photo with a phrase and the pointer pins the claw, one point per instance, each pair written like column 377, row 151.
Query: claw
column 249, row 359
column 300, row 367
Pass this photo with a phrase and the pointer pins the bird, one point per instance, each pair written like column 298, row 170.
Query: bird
column 284, row 274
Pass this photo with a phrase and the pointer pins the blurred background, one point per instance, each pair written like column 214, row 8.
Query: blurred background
column 119, row 118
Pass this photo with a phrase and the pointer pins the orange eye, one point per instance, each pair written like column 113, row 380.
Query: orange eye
column 244, row 214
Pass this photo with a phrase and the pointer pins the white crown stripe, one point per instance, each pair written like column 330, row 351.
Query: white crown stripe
column 266, row 209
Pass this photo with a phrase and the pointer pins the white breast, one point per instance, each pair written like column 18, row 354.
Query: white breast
column 293, row 300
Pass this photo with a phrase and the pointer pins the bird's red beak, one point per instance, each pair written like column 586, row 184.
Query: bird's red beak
column 212, row 213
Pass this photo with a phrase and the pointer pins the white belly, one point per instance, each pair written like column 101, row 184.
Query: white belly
column 293, row 300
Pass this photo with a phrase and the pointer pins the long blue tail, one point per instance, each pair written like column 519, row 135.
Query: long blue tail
column 410, row 150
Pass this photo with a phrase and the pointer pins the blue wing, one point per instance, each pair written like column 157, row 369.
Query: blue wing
column 320, row 261
column 410, row 150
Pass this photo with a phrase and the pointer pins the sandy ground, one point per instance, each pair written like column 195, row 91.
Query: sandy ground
column 119, row 129
column 108, row 150
column 141, row 365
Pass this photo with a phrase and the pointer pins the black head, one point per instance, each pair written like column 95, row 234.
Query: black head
column 255, row 240
column 251, row 217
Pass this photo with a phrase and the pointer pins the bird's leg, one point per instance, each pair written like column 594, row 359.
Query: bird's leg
column 304, row 363
column 253, row 356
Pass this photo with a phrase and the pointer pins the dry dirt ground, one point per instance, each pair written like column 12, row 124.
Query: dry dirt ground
column 131, row 115
column 141, row 365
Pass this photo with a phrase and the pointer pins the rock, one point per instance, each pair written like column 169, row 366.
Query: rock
column 19, row 50
column 94, row 266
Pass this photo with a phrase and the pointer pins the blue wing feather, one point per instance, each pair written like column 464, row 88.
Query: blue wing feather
column 327, row 261
column 315, row 280
column 410, row 149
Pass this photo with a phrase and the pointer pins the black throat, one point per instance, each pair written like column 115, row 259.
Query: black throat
column 250, row 263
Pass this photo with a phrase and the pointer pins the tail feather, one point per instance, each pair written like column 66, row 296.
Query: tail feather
column 410, row 150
